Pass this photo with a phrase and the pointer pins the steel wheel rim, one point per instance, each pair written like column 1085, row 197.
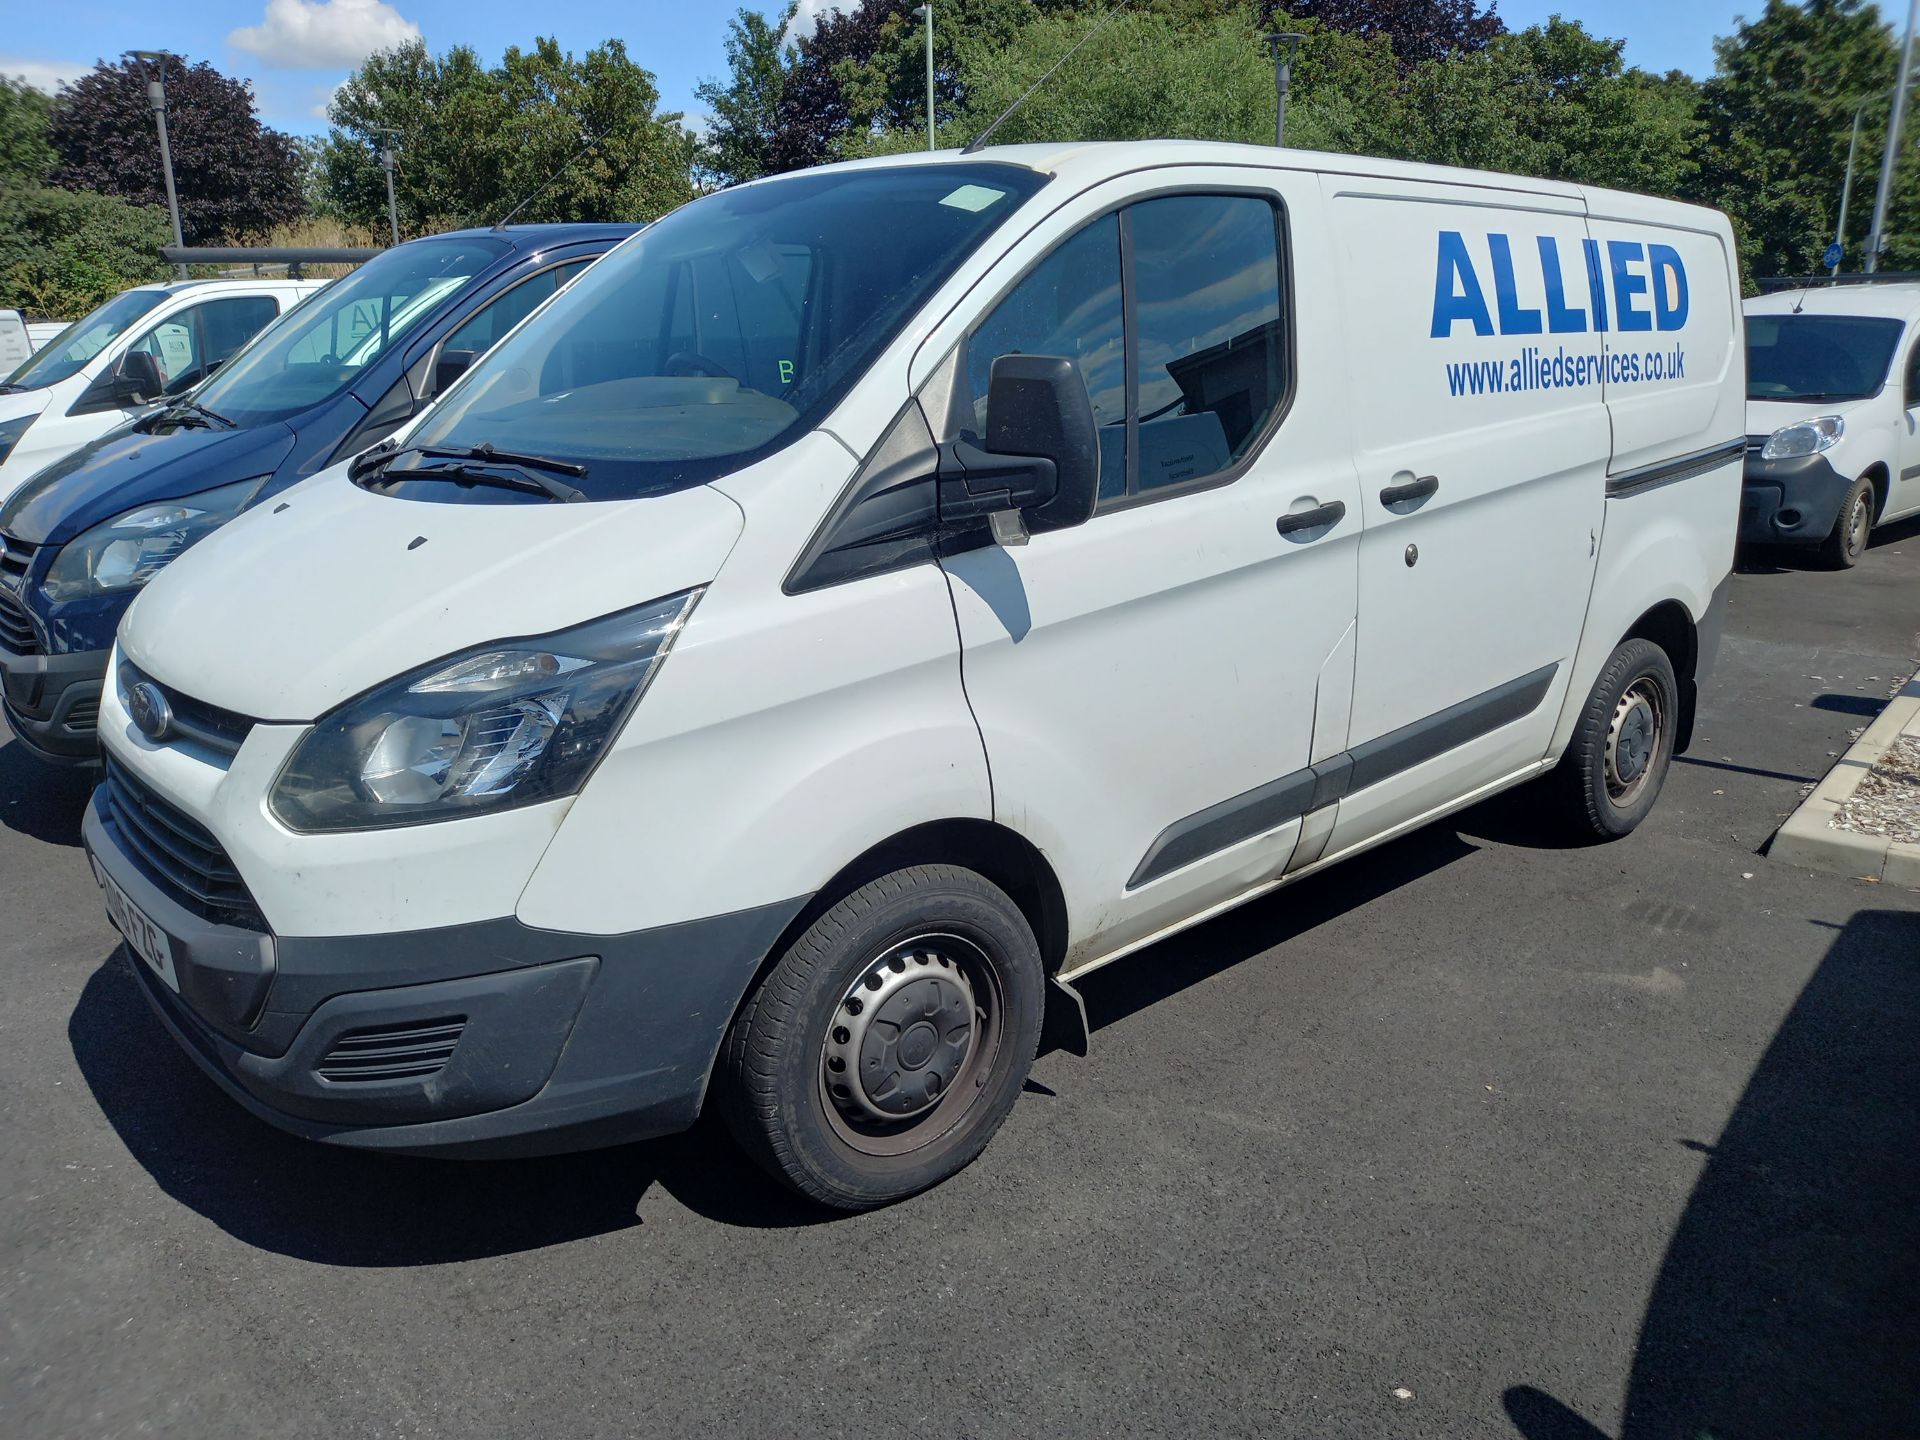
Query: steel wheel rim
column 1859, row 523
column 851, row 1115
column 1634, row 739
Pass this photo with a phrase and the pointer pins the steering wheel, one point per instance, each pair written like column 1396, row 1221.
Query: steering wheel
column 688, row 362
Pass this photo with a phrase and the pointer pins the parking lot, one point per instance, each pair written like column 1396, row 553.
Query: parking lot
column 1479, row 1135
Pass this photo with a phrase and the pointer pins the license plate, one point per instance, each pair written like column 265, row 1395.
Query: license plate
column 143, row 937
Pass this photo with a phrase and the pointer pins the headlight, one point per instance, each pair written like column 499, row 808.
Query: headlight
column 1805, row 437
column 12, row 430
column 500, row 726
column 129, row 550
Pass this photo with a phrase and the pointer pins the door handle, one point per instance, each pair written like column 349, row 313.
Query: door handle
column 1330, row 513
column 1413, row 490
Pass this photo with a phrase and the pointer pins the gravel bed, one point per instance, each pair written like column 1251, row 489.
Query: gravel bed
column 1888, row 799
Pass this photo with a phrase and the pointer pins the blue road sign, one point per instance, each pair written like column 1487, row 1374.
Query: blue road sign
column 1832, row 255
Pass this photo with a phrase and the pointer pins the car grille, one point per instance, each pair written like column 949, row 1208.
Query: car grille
column 16, row 558
column 16, row 630
column 196, row 720
column 178, row 854
column 1756, row 443
column 414, row 1051
column 85, row 714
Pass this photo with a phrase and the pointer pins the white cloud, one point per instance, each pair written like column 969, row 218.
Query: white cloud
column 808, row 14
column 323, row 34
column 44, row 75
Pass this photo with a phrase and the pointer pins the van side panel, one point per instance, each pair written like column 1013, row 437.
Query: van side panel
column 785, row 736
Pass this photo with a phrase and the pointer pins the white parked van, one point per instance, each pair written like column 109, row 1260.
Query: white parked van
column 871, row 598
column 1833, row 415
column 147, row 344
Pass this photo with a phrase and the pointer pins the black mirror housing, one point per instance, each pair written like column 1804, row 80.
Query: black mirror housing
column 137, row 378
column 1038, row 405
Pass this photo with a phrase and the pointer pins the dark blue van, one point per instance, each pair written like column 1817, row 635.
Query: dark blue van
column 324, row 382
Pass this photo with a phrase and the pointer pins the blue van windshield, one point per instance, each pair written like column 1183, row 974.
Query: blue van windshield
column 724, row 331
column 319, row 348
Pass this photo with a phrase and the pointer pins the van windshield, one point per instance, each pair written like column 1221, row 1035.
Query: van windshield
column 74, row 346
column 722, row 332
column 320, row 347
column 1818, row 357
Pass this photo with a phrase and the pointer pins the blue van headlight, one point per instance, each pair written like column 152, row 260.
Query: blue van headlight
column 127, row 551
column 492, row 728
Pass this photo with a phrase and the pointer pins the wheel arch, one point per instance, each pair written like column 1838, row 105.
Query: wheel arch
column 1672, row 627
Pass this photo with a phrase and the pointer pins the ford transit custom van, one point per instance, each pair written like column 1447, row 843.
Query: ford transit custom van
column 876, row 597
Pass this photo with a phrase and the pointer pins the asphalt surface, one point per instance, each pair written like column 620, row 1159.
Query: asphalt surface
column 1475, row 1136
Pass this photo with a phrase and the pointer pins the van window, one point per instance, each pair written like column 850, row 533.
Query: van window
column 1069, row 304
column 723, row 331
column 1818, row 357
column 191, row 343
column 488, row 325
column 1207, row 353
column 1210, row 352
column 320, row 347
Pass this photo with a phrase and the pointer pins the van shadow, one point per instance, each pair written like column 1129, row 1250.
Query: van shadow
column 1759, row 559
column 1788, row 1303
column 40, row 801
column 337, row 1206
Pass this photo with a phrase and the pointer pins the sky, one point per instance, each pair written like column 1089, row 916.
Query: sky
column 296, row 51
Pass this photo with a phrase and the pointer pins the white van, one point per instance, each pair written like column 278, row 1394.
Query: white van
column 147, row 344
column 1833, row 415
column 872, row 598
column 15, row 343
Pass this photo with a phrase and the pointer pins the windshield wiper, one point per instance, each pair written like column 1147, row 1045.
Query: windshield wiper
column 486, row 452
column 180, row 409
column 505, row 477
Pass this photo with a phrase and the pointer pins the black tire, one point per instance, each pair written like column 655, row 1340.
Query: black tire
column 1612, row 779
column 1848, row 542
column 945, row 950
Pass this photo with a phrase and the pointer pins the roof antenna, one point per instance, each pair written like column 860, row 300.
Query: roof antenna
column 572, row 160
column 981, row 139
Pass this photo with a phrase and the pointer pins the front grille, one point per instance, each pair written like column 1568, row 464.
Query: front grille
column 1756, row 443
column 16, row 630
column 16, row 558
column 178, row 854
column 209, row 725
column 414, row 1051
column 85, row 714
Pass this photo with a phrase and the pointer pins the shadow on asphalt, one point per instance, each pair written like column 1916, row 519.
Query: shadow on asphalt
column 1782, row 559
column 1789, row 1298
column 41, row 801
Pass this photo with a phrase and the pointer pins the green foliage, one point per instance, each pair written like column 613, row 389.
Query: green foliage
column 26, row 155
column 474, row 141
column 746, row 110
column 63, row 252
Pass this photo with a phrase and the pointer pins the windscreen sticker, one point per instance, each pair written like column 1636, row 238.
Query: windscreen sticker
column 973, row 197
column 1625, row 287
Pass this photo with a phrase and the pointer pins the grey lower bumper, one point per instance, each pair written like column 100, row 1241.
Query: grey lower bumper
column 1788, row 502
column 492, row 1038
column 53, row 703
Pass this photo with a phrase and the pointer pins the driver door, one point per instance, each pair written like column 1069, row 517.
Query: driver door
column 1903, row 493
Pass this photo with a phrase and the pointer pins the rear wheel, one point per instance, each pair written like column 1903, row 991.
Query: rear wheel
column 1848, row 542
column 1623, row 744
column 886, row 1046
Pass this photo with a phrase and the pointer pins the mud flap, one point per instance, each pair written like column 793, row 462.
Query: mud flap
column 1064, row 1027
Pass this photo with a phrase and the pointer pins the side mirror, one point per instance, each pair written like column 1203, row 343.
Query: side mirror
column 137, row 378
column 451, row 365
column 1042, row 448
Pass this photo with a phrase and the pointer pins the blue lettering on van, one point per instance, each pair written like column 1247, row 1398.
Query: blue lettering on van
column 1456, row 289
column 1645, row 283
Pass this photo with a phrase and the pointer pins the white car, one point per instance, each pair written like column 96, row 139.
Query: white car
column 147, row 344
column 1833, row 415
column 783, row 665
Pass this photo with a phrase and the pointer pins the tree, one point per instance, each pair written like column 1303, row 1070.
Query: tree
column 26, row 156
column 1418, row 30
column 235, row 176
column 474, row 141
column 62, row 253
column 1778, row 112
column 746, row 109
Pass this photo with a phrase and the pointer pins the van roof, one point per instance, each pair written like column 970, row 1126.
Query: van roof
column 1089, row 161
column 1894, row 300
column 182, row 287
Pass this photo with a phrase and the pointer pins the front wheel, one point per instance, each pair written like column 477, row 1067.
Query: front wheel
column 1848, row 542
column 885, row 1047
column 1623, row 745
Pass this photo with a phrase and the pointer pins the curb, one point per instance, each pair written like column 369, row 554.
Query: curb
column 1809, row 839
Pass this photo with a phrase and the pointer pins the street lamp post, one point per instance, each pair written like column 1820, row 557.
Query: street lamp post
column 1877, row 238
column 1285, row 46
column 1846, row 189
column 153, row 65
column 386, row 133
column 925, row 12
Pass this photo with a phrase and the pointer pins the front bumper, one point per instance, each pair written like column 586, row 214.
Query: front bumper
column 1790, row 502
column 490, row 1038
column 53, row 703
